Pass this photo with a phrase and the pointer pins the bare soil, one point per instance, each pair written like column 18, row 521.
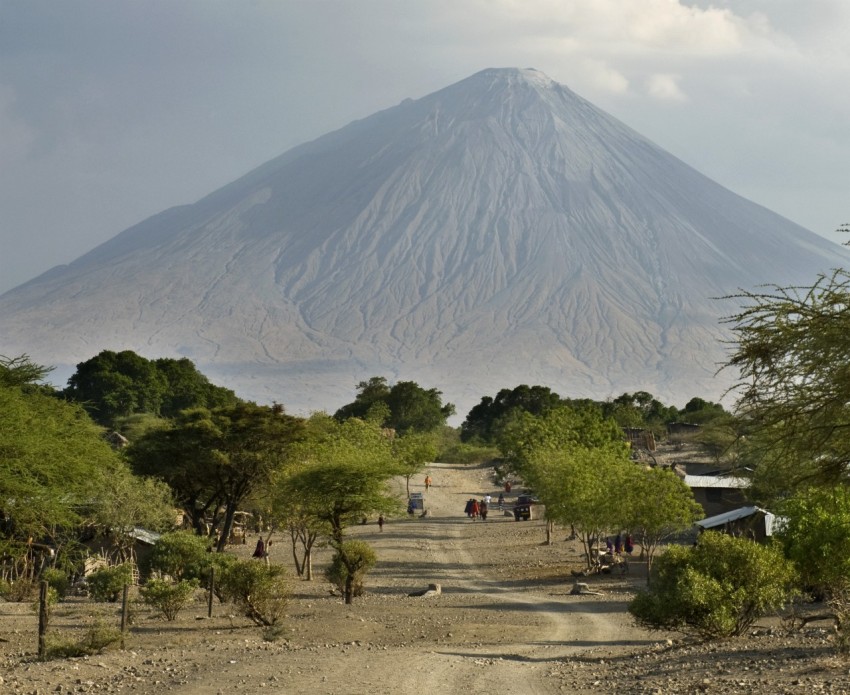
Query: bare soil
column 505, row 620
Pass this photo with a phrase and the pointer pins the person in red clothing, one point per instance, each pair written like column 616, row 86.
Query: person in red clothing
column 475, row 510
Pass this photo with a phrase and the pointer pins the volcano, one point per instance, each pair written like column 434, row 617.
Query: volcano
column 499, row 231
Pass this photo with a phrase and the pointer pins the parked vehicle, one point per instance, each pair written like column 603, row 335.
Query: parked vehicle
column 524, row 507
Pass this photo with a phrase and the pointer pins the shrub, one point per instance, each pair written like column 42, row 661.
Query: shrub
column 95, row 639
column 19, row 590
column 259, row 591
column 815, row 538
column 180, row 555
column 106, row 584
column 467, row 453
column 350, row 564
column 715, row 589
column 57, row 580
column 167, row 597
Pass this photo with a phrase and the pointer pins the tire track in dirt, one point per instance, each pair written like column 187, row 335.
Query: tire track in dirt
column 444, row 542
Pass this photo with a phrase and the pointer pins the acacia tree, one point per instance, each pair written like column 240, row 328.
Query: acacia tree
column 218, row 457
column 579, row 487
column 343, row 473
column 413, row 451
column 57, row 473
column 341, row 476
column 568, row 456
column 793, row 353
column 655, row 503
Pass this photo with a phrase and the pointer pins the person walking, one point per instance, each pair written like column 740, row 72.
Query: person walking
column 476, row 510
column 482, row 509
column 381, row 522
column 427, row 482
column 501, row 500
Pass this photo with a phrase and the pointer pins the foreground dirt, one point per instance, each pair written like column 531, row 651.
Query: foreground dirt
column 505, row 620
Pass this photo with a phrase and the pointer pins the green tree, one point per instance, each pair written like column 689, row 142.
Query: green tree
column 578, row 485
column 413, row 451
column 816, row 537
column 656, row 504
column 484, row 421
column 188, row 388
column 218, row 457
column 258, row 590
column 562, row 428
column 169, row 598
column 54, row 471
column 343, row 473
column 113, row 385
column 715, row 589
column 793, row 354
column 349, row 566
column 180, row 555
column 640, row 409
column 411, row 407
column 21, row 371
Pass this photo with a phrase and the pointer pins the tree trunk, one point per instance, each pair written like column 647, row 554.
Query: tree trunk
column 349, row 588
column 229, row 513
column 293, row 535
column 550, row 525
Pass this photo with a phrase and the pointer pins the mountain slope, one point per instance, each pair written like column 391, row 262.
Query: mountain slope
column 499, row 231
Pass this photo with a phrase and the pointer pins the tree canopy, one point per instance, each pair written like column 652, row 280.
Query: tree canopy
column 484, row 420
column 118, row 384
column 793, row 353
column 404, row 406
column 342, row 474
column 58, row 474
column 218, row 457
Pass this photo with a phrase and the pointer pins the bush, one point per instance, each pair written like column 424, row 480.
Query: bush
column 20, row 590
column 107, row 584
column 167, row 597
column 349, row 566
column 259, row 591
column 96, row 638
column 180, row 555
column 715, row 589
column 57, row 580
column 467, row 453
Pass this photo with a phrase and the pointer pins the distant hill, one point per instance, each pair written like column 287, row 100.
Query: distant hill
column 500, row 231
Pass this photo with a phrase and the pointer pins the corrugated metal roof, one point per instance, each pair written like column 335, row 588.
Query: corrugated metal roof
column 741, row 513
column 716, row 481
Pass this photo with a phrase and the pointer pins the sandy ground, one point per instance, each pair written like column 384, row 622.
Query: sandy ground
column 505, row 620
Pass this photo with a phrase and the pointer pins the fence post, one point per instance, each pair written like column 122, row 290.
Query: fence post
column 43, row 617
column 212, row 591
column 125, row 612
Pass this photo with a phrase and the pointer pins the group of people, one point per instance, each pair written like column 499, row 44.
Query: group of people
column 619, row 545
column 477, row 509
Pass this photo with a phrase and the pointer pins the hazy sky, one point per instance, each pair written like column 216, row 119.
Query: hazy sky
column 113, row 110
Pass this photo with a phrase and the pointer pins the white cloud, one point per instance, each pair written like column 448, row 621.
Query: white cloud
column 665, row 87
column 603, row 77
